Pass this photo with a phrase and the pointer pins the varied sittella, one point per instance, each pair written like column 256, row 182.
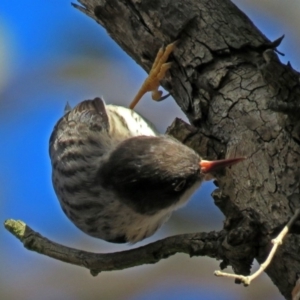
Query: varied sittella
column 116, row 178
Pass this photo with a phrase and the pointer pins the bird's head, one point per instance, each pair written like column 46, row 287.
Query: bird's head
column 152, row 173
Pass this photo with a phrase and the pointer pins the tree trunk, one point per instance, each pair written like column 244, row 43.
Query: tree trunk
column 227, row 79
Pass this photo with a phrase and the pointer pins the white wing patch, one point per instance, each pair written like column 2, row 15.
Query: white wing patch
column 129, row 122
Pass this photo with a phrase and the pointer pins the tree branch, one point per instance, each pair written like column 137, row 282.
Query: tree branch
column 195, row 244
column 276, row 243
column 228, row 80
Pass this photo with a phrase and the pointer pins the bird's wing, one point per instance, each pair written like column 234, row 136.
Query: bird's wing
column 91, row 112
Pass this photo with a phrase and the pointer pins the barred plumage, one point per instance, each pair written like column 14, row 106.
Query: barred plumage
column 98, row 192
column 116, row 178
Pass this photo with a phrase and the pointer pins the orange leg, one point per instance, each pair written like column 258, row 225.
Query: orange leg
column 157, row 73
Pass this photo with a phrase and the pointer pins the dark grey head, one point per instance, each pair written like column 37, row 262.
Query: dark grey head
column 151, row 173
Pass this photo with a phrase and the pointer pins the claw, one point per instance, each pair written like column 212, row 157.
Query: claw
column 157, row 73
column 161, row 98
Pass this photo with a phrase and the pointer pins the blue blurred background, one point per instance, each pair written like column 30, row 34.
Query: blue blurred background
column 51, row 53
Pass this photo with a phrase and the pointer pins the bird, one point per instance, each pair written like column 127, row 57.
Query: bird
column 115, row 176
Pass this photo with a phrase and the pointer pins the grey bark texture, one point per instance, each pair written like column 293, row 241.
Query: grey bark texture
column 241, row 101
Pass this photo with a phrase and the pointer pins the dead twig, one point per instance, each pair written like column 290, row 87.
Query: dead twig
column 276, row 243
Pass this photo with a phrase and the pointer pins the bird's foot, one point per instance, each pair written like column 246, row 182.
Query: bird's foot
column 157, row 73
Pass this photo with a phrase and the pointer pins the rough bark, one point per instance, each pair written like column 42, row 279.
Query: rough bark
column 228, row 80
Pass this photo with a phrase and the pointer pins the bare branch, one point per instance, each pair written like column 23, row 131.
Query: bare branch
column 195, row 244
column 276, row 243
column 227, row 79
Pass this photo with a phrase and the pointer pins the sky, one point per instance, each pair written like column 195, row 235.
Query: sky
column 50, row 53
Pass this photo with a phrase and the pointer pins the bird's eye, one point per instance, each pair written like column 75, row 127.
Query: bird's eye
column 180, row 186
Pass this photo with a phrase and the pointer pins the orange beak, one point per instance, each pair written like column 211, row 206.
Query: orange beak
column 213, row 165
